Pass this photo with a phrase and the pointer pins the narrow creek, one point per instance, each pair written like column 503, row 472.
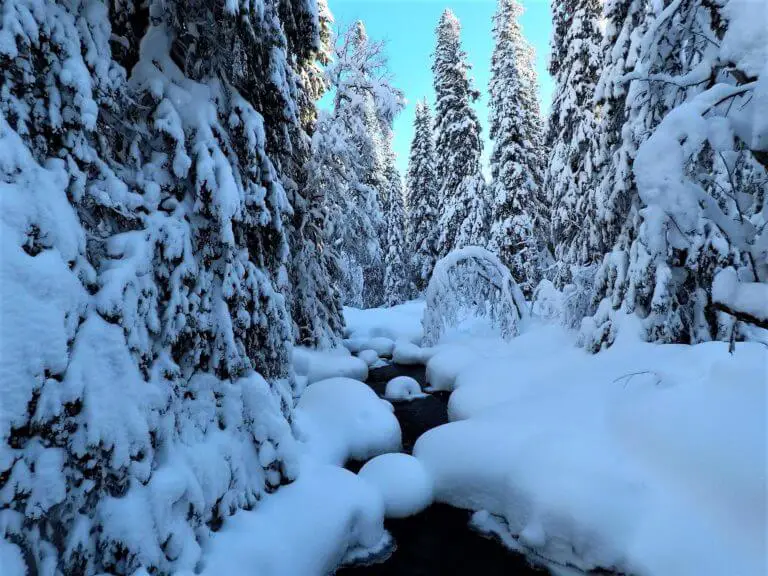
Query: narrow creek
column 438, row 541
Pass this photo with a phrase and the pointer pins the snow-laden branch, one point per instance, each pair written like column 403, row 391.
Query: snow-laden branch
column 472, row 281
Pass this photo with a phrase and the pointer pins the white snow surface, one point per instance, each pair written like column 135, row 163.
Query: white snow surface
column 407, row 353
column 369, row 357
column 343, row 419
column 746, row 297
column 309, row 527
column 648, row 458
column 402, row 481
column 403, row 321
column 320, row 365
column 403, row 388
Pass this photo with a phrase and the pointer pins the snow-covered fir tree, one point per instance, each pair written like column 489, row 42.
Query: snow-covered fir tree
column 464, row 207
column 146, row 249
column 422, row 200
column 575, row 66
column 397, row 287
column 682, row 185
column 515, row 159
column 353, row 159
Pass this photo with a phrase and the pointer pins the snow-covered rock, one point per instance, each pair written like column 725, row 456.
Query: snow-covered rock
column 402, row 481
column 408, row 354
column 369, row 357
column 343, row 419
column 403, row 321
column 403, row 388
column 319, row 365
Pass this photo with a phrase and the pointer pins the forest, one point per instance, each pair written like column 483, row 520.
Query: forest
column 209, row 253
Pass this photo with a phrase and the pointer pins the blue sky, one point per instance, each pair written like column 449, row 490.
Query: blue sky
column 408, row 27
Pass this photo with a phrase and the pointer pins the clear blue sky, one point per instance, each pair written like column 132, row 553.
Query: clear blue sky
column 408, row 27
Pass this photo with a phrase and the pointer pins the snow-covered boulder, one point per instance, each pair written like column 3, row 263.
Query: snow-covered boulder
column 408, row 354
column 342, row 419
column 318, row 365
column 403, row 388
column 403, row 482
column 369, row 357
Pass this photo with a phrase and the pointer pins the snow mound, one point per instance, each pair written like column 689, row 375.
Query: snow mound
column 326, row 517
column 318, row 365
column 343, row 419
column 369, row 357
column 402, row 481
column 408, row 354
column 647, row 459
column 403, row 321
column 403, row 388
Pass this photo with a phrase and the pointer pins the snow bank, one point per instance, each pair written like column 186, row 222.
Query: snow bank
column 403, row 388
column 747, row 300
column 343, row 419
column 318, row 365
column 650, row 459
column 403, row 321
column 402, row 481
column 309, row 527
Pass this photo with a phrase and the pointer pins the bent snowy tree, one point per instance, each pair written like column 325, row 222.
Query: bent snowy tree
column 472, row 282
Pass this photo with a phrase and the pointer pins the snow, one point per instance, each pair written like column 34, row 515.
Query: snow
column 749, row 298
column 398, row 322
column 11, row 559
column 343, row 419
column 369, row 357
column 402, row 481
column 407, row 353
column 646, row 458
column 403, row 388
column 320, row 365
column 309, row 527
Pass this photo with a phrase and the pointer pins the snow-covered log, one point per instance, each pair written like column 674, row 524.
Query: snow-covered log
column 472, row 282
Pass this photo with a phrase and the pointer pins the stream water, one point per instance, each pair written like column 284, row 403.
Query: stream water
column 438, row 541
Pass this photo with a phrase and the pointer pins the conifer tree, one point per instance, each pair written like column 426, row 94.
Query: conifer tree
column 516, row 145
column 422, row 203
column 575, row 66
column 464, row 207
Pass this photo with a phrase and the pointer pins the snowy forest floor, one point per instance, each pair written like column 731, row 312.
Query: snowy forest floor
column 643, row 459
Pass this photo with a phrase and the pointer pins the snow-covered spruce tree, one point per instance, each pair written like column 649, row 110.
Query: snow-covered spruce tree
column 145, row 242
column 397, row 287
column 575, row 66
column 316, row 301
column 515, row 158
column 693, row 91
column 422, row 200
column 464, row 208
column 353, row 161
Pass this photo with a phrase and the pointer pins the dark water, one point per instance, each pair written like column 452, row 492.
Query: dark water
column 437, row 542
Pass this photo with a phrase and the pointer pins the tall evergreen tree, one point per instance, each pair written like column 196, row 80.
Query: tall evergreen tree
column 422, row 200
column 146, row 245
column 515, row 158
column 396, row 269
column 575, row 66
column 464, row 208
column 352, row 159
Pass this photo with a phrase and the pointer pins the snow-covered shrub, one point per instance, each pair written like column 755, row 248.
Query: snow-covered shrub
column 579, row 295
column 547, row 302
column 472, row 282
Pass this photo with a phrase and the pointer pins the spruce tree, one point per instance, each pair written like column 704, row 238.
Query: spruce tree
column 515, row 158
column 422, row 202
column 147, row 227
column 464, row 207
column 396, row 262
column 575, row 66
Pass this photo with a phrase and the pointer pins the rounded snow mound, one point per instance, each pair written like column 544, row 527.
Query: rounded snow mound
column 404, row 483
column 344, row 419
column 403, row 388
column 369, row 357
